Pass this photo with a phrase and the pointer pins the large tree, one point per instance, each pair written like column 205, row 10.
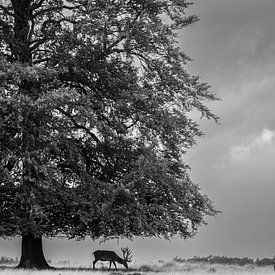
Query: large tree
column 95, row 105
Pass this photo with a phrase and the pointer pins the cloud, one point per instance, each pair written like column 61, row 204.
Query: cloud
column 254, row 145
column 233, row 42
column 234, row 51
column 233, row 48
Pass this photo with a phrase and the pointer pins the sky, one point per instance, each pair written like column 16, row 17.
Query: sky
column 233, row 50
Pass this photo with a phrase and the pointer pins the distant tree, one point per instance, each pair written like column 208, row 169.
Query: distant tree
column 222, row 260
column 179, row 259
column 94, row 122
column 8, row 260
column 264, row 261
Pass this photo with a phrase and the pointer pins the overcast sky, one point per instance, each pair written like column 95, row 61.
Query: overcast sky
column 233, row 49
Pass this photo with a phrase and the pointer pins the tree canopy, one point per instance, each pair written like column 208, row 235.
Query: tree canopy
column 95, row 104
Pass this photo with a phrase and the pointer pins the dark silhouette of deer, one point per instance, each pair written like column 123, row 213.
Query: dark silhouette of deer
column 112, row 257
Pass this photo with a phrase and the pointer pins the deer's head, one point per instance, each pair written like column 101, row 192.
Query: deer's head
column 127, row 256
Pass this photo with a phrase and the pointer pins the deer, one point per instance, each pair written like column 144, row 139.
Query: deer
column 112, row 257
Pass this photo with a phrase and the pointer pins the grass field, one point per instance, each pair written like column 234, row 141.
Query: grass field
column 164, row 268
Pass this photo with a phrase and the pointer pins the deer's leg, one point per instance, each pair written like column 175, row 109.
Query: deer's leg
column 115, row 264
column 94, row 262
column 110, row 264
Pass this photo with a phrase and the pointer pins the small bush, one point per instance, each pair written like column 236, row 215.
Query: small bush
column 168, row 265
column 178, row 260
column 146, row 268
column 212, row 270
column 187, row 269
column 8, row 260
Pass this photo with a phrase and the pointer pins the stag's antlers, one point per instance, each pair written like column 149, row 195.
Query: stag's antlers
column 127, row 254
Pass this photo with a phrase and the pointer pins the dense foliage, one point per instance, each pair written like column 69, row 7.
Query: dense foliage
column 95, row 106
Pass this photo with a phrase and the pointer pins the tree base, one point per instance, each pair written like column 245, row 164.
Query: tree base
column 32, row 256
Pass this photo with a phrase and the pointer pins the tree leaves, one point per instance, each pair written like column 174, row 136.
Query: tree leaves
column 94, row 114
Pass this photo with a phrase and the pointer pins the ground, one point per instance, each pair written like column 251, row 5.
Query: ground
column 159, row 268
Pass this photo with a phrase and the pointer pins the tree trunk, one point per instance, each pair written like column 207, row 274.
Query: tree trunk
column 32, row 255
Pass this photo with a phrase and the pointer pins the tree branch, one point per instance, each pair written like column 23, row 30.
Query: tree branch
column 78, row 126
column 37, row 42
column 41, row 12
column 5, row 24
column 6, row 10
column 31, row 29
column 127, row 33
column 37, row 5
column 38, row 61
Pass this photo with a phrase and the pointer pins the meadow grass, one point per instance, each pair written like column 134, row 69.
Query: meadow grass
column 165, row 269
